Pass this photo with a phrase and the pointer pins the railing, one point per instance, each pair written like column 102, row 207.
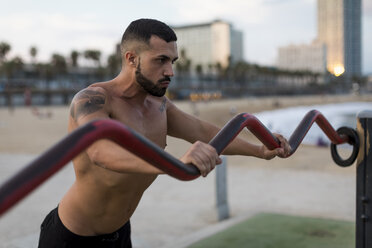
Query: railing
column 55, row 158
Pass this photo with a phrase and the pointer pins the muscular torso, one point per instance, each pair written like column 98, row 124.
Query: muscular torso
column 101, row 200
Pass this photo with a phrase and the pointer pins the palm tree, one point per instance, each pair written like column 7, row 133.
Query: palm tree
column 199, row 73
column 12, row 66
column 45, row 70
column 239, row 73
column 113, row 64
column 199, row 70
column 4, row 50
column 184, row 63
column 59, row 63
column 94, row 55
column 74, row 58
column 57, row 67
column 220, row 74
column 33, row 53
column 10, row 69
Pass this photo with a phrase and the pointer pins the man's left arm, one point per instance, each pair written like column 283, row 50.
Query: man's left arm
column 184, row 126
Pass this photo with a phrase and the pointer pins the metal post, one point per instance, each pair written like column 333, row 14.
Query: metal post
column 364, row 182
column 221, row 190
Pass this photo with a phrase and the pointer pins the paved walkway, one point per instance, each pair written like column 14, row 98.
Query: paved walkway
column 175, row 214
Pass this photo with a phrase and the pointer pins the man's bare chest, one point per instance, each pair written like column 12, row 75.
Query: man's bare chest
column 150, row 123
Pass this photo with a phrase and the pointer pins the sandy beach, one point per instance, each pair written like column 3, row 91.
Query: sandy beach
column 23, row 132
column 174, row 213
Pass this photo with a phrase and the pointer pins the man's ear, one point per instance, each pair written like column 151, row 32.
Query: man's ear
column 130, row 58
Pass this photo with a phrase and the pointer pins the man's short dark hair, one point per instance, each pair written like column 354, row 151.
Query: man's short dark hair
column 143, row 29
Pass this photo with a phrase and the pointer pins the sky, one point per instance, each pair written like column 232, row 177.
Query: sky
column 63, row 26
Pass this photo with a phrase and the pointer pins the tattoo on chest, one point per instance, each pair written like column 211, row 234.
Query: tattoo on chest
column 162, row 106
column 87, row 102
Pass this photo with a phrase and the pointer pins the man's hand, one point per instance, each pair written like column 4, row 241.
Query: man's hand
column 203, row 156
column 283, row 151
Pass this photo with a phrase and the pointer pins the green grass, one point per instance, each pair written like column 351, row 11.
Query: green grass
column 282, row 231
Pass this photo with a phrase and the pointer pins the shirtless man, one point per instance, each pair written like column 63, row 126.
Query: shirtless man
column 110, row 181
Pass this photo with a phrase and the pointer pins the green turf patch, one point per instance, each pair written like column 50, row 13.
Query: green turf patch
column 282, row 231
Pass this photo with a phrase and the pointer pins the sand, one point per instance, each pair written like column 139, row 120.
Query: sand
column 174, row 213
column 22, row 131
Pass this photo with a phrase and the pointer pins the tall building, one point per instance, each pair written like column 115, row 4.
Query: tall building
column 339, row 30
column 305, row 57
column 209, row 44
column 339, row 27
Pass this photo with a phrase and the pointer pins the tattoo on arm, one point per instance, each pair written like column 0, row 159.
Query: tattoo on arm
column 87, row 102
column 162, row 106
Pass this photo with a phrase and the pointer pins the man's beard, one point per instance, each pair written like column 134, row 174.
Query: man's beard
column 150, row 87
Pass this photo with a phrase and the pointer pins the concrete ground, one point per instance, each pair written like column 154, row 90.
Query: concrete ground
column 175, row 214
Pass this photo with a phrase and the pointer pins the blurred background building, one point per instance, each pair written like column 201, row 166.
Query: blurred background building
column 339, row 27
column 211, row 63
column 207, row 45
column 305, row 57
column 337, row 47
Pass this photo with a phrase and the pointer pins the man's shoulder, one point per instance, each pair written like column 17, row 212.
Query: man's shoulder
column 90, row 92
column 88, row 101
column 92, row 89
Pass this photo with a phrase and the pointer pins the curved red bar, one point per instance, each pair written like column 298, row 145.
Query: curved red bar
column 304, row 126
column 234, row 126
column 59, row 155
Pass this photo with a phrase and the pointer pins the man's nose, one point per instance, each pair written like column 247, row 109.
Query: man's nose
column 169, row 70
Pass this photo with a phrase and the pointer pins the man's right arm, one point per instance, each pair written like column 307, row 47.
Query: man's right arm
column 92, row 104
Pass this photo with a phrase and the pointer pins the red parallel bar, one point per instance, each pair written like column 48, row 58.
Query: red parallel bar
column 236, row 125
column 39, row 170
column 304, row 126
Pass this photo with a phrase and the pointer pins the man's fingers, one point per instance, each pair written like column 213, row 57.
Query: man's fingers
column 197, row 160
column 286, row 148
column 218, row 160
column 270, row 154
column 207, row 157
column 280, row 152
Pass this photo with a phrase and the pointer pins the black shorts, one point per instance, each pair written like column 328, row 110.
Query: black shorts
column 54, row 234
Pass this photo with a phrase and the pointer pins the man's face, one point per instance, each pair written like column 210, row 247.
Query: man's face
column 153, row 88
column 154, row 69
